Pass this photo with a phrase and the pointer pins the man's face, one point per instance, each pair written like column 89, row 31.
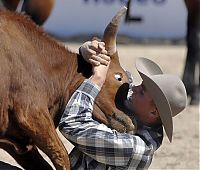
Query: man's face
column 141, row 104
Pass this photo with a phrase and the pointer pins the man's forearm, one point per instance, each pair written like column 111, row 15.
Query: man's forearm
column 90, row 136
column 79, row 108
column 99, row 74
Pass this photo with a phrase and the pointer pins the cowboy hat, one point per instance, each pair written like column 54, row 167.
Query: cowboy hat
column 168, row 92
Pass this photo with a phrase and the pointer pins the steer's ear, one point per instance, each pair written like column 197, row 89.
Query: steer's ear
column 110, row 32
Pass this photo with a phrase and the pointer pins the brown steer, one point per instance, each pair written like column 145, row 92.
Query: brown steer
column 37, row 77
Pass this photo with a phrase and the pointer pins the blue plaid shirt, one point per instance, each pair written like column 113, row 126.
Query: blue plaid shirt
column 98, row 147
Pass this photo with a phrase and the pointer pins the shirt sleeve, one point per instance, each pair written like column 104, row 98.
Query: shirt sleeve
column 94, row 139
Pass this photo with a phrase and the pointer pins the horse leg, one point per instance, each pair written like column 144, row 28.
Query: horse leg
column 40, row 128
column 192, row 63
column 195, row 95
column 189, row 70
column 193, row 54
column 30, row 160
column 188, row 74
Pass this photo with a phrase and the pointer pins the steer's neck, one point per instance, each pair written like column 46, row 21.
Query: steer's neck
column 78, row 71
column 68, row 72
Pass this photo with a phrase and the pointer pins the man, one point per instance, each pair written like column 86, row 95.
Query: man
column 153, row 103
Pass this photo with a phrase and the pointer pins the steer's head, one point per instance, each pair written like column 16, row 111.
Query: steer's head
column 109, row 103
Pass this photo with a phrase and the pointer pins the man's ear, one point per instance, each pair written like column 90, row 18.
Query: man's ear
column 156, row 115
column 155, row 112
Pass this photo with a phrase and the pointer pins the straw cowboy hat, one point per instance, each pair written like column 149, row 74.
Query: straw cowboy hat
column 168, row 92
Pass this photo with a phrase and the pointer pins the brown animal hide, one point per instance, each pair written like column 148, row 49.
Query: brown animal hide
column 38, row 76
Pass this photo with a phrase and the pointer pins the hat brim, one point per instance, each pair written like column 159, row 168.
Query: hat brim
column 161, row 103
column 147, row 70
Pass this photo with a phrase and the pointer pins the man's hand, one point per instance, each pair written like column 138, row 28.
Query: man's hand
column 99, row 73
column 90, row 51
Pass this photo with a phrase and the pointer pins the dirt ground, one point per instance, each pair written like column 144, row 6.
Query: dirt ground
column 183, row 152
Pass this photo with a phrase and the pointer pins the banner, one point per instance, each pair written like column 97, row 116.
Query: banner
column 146, row 19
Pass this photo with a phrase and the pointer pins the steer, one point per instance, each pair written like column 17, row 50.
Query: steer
column 38, row 76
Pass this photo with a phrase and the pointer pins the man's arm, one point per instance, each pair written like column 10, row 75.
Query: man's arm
column 94, row 139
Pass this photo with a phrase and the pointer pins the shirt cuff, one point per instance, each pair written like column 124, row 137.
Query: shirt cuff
column 89, row 88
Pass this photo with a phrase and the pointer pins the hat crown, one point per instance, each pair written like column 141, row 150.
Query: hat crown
column 174, row 91
column 148, row 67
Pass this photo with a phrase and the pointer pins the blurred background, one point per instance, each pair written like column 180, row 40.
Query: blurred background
column 147, row 19
column 157, row 19
column 165, row 31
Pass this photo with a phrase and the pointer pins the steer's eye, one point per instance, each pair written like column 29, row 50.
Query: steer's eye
column 118, row 76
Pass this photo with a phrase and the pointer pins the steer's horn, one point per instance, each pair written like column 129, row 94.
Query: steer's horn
column 110, row 32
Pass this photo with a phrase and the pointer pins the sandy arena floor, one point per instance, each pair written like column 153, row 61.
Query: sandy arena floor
column 183, row 152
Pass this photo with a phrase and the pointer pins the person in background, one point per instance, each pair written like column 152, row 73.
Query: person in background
column 153, row 104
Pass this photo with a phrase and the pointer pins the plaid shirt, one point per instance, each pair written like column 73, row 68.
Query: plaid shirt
column 98, row 147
